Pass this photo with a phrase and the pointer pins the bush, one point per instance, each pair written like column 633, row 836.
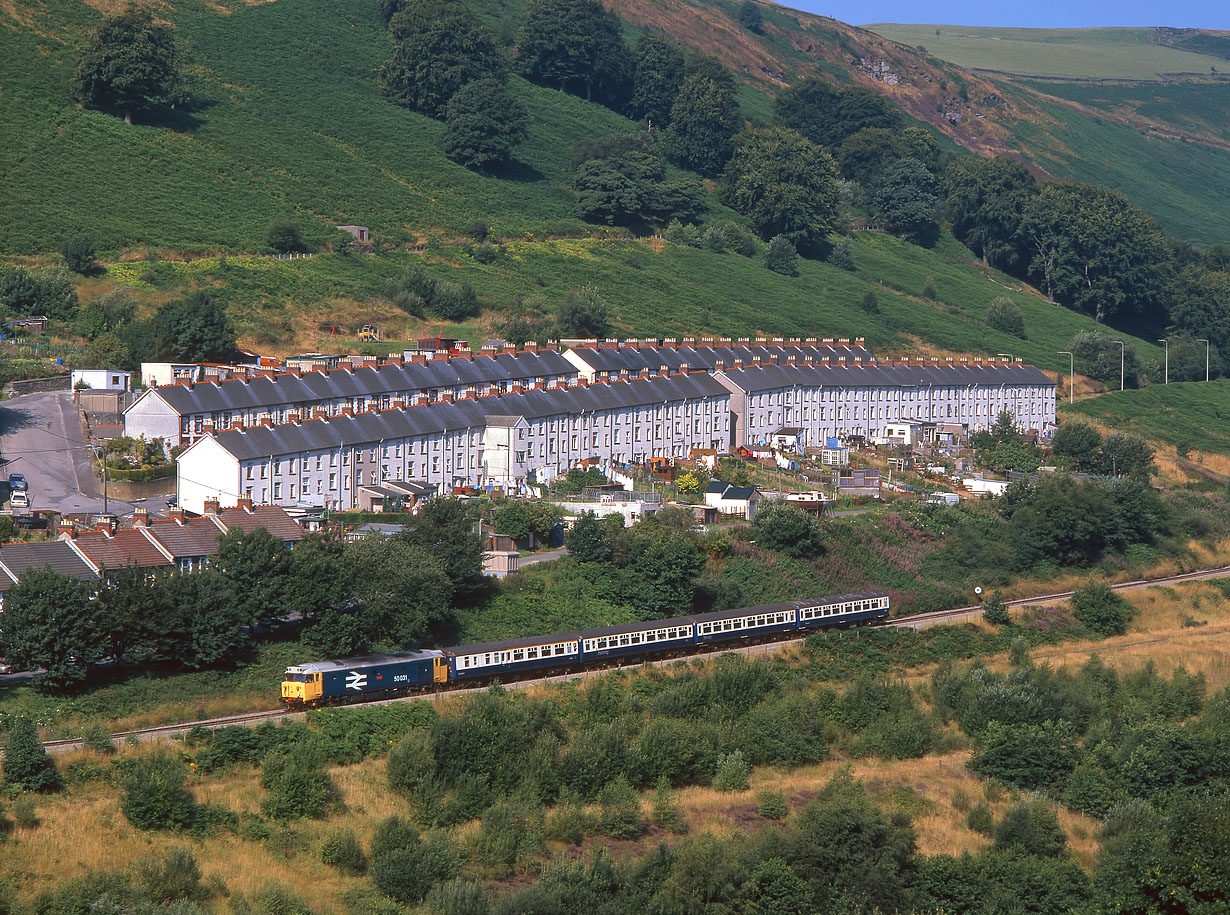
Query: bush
column 511, row 831
column 98, row 738
column 26, row 763
column 928, row 289
column 153, row 794
column 1101, row 610
column 458, row 897
column 284, row 238
column 25, row 814
column 1033, row 828
column 341, row 849
column 174, row 876
column 995, row 610
column 842, row 255
column 79, row 254
column 298, row 786
column 980, row 820
column 276, row 899
column 621, row 815
column 666, row 811
column 408, row 873
column 773, row 805
column 789, row 529
column 732, row 772
column 1004, row 315
column 870, row 302
column 782, row 257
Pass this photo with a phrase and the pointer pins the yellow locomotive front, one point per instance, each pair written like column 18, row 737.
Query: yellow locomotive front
column 301, row 687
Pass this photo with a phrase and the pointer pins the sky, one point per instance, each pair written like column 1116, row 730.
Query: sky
column 1056, row 14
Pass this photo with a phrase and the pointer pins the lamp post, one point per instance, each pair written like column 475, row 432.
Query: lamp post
column 1206, row 357
column 1166, row 376
column 1121, row 351
column 1071, row 374
column 103, row 469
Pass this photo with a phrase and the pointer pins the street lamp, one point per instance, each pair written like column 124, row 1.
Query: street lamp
column 103, row 468
column 1166, row 377
column 1121, row 351
column 1071, row 374
column 1206, row 357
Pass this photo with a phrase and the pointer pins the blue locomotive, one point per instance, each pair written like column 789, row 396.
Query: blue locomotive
column 347, row 679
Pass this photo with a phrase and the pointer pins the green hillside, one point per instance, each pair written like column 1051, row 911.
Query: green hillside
column 1192, row 416
column 1122, row 53
column 651, row 289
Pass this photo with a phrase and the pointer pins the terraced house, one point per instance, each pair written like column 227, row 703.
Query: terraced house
column 181, row 413
column 816, row 402
column 503, row 441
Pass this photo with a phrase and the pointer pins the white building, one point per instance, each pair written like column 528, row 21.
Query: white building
column 505, row 441
column 101, row 380
column 843, row 400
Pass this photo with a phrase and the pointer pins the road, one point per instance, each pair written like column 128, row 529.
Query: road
column 41, row 436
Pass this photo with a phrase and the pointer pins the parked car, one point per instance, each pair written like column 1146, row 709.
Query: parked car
column 17, row 482
column 19, row 500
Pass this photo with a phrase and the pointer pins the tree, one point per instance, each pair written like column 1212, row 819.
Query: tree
column 995, row 610
column 1033, row 756
column 704, row 120
column 788, row 529
column 775, row 889
column 781, row 256
column 666, row 568
column 297, row 786
column 1101, row 610
column 106, row 351
column 1077, row 443
column 826, row 115
column 18, row 291
column 1199, row 309
column 1125, row 455
column 905, row 196
column 512, row 519
column 657, row 75
column 26, row 763
column 867, row 152
column 129, row 64
column 194, row 329
column 587, row 539
column 215, row 626
column 870, row 302
column 1066, row 522
column 1096, row 253
column 439, row 46
column 51, row 292
column 573, row 44
column 1004, row 315
column 137, row 618
column 985, row 200
column 106, row 314
column 256, row 566
column 582, row 314
column 78, row 254
column 626, row 184
column 402, row 588
column 750, row 17
column 51, row 622
column 1003, row 447
column 1098, row 356
column 410, row 869
column 284, row 238
column 485, row 121
column 785, row 184
column 341, row 849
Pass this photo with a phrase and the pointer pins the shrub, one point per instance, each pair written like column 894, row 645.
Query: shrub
column 782, row 257
column 570, row 822
column 511, row 831
column 25, row 813
column 995, row 610
column 842, row 255
column 298, row 786
column 174, row 876
column 789, row 529
column 409, row 872
column 870, row 302
column 980, row 820
column 732, row 772
column 153, row 794
column 78, row 254
column 26, row 763
column 1101, row 610
column 773, row 805
column 284, row 238
column 486, row 253
column 928, row 289
column 1033, row 828
column 621, row 815
column 666, row 811
column 276, row 899
column 98, row 738
column 1004, row 315
column 458, row 897
column 341, row 850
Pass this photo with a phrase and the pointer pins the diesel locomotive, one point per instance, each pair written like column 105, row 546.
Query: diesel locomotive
column 382, row 675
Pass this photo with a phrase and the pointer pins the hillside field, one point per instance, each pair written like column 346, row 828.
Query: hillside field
column 650, row 287
column 1192, row 416
column 1112, row 53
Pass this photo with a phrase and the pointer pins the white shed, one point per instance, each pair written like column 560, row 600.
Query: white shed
column 101, row 380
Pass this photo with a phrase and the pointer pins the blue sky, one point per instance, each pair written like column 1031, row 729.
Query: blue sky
column 1205, row 14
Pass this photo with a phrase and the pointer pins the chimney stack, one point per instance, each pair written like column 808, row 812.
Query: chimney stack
column 104, row 525
column 67, row 528
column 211, row 506
column 177, row 515
column 140, row 517
column 245, row 503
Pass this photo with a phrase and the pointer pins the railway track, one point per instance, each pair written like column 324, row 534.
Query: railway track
column 918, row 621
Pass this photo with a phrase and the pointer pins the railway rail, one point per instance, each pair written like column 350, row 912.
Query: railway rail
column 917, row 621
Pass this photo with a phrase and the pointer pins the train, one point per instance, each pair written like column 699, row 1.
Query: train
column 383, row 675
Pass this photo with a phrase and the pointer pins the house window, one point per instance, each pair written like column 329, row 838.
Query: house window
column 277, row 490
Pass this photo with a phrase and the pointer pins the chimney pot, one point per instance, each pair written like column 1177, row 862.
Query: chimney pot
column 177, row 515
column 140, row 517
column 245, row 503
column 211, row 506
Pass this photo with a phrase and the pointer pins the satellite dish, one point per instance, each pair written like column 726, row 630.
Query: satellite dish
column 978, row 590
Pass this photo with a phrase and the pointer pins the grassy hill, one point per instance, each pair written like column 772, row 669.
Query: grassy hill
column 1192, row 416
column 1114, row 53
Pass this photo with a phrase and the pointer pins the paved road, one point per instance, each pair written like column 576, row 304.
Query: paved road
column 40, row 436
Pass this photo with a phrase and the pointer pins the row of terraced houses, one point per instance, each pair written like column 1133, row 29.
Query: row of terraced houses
column 506, row 422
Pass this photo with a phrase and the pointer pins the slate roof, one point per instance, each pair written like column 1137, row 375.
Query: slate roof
column 316, row 386
column 336, row 431
column 702, row 357
column 187, row 540
column 270, row 517
column 768, row 377
column 123, row 548
column 18, row 558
